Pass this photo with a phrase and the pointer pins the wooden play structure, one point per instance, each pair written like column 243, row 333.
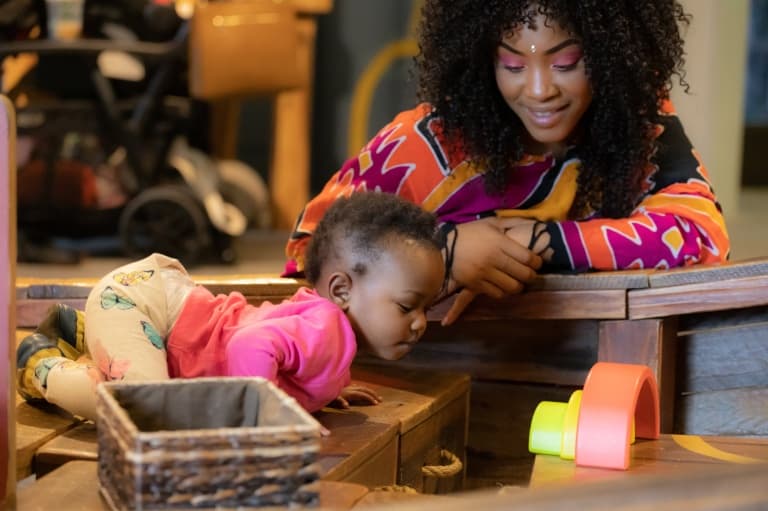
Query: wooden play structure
column 518, row 352
column 456, row 411
column 7, row 300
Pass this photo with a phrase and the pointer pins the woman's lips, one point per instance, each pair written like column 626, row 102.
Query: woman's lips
column 545, row 117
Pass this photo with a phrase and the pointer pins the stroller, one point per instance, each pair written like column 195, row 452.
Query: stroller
column 110, row 145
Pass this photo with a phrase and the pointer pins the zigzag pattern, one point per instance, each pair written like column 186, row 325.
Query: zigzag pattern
column 375, row 158
column 667, row 240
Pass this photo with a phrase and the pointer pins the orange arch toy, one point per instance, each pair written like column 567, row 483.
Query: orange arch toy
column 619, row 402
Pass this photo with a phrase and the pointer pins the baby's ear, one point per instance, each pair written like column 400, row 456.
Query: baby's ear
column 340, row 289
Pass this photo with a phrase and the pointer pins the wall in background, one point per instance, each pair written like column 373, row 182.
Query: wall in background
column 348, row 39
column 713, row 111
column 756, row 105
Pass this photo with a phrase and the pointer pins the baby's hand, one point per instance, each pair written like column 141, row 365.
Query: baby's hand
column 358, row 394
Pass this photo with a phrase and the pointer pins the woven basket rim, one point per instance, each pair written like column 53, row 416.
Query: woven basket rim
column 309, row 423
column 218, row 432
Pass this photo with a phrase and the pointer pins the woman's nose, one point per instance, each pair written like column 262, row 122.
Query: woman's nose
column 540, row 85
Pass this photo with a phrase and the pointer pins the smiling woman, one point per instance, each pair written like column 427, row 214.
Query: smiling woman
column 545, row 135
column 549, row 89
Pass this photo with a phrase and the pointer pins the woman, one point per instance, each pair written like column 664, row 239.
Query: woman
column 545, row 135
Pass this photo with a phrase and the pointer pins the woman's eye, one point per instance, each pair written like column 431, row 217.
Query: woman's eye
column 512, row 65
column 405, row 308
column 565, row 67
column 567, row 62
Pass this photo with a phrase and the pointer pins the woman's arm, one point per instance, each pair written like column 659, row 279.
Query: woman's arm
column 408, row 158
column 678, row 222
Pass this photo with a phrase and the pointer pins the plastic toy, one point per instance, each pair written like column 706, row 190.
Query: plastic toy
column 598, row 424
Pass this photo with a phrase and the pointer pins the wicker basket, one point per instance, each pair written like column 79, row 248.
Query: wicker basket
column 207, row 442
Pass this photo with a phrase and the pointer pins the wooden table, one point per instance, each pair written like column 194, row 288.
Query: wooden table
column 702, row 330
column 377, row 446
column 666, row 476
column 707, row 488
column 671, row 454
column 75, row 486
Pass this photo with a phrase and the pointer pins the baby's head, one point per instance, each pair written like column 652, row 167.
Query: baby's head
column 377, row 257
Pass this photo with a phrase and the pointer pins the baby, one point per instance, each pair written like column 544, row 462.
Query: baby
column 375, row 266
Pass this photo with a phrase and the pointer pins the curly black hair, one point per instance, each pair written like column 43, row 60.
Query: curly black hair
column 632, row 51
column 364, row 223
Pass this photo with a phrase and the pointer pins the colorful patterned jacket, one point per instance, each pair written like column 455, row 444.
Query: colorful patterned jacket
column 677, row 221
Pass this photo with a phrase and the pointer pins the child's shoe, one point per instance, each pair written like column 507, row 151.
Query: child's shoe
column 31, row 366
column 65, row 324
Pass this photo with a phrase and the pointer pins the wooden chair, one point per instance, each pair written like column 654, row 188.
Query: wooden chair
column 7, row 302
column 288, row 175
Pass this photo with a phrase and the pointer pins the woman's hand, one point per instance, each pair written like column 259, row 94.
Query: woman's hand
column 488, row 261
column 354, row 393
column 531, row 234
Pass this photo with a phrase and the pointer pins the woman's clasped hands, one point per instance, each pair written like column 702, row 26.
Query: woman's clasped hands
column 491, row 257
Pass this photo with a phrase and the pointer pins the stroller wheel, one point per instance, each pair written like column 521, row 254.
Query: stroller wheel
column 165, row 219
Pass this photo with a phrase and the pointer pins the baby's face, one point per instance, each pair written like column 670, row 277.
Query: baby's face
column 388, row 306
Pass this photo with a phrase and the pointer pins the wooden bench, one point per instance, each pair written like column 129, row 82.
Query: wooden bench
column 377, row 446
column 666, row 456
column 76, row 484
column 704, row 488
column 711, row 487
column 425, row 412
column 431, row 410
column 702, row 330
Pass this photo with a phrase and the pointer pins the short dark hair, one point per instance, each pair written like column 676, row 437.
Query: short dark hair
column 365, row 221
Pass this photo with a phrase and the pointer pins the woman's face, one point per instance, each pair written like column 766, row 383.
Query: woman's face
column 541, row 75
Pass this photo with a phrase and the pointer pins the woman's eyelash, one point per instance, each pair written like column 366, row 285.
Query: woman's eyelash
column 566, row 67
column 559, row 67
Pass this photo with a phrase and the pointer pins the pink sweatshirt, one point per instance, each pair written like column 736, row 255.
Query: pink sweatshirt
column 305, row 345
